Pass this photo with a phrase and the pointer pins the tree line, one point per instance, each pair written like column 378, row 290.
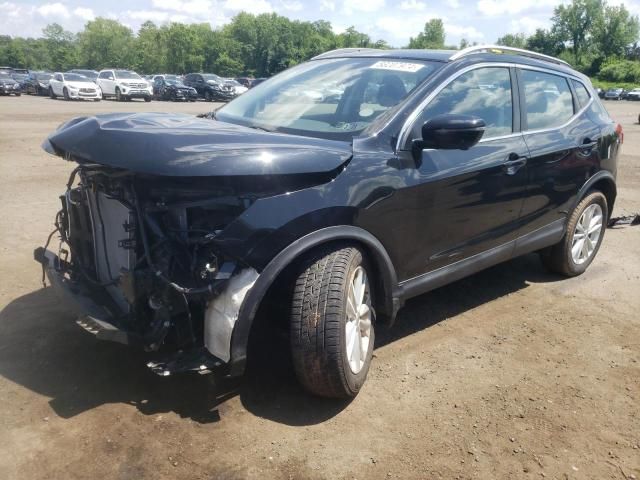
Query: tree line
column 596, row 38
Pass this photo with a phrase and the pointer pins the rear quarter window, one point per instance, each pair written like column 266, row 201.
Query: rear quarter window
column 582, row 93
column 548, row 99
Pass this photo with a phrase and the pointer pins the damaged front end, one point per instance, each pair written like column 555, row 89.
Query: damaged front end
column 142, row 256
column 138, row 255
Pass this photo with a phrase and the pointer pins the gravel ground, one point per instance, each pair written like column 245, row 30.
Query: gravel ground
column 511, row 373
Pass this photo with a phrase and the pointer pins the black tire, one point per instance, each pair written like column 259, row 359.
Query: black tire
column 65, row 94
column 207, row 96
column 319, row 320
column 96, row 99
column 18, row 94
column 147, row 99
column 51, row 94
column 558, row 258
column 119, row 96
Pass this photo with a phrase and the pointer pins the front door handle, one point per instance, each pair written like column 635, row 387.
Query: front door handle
column 514, row 163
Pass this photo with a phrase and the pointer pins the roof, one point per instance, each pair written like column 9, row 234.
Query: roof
column 484, row 52
column 437, row 55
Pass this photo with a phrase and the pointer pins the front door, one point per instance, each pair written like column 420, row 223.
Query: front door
column 471, row 199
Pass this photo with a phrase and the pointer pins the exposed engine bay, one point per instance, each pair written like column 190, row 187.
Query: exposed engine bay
column 151, row 247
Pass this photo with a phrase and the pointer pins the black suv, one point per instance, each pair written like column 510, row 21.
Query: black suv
column 426, row 167
column 211, row 87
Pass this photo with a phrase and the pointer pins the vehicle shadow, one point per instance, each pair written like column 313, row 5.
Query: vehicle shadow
column 43, row 350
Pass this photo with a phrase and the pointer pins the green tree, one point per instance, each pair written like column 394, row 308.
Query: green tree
column 517, row 40
column 150, row 49
column 614, row 31
column 545, row 41
column 106, row 43
column 60, row 46
column 431, row 37
column 574, row 23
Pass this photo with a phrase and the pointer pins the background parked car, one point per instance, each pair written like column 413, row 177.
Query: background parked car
column 245, row 81
column 169, row 87
column 238, row 88
column 210, row 87
column 257, row 81
column 614, row 94
column 600, row 92
column 8, row 86
column 73, row 86
column 124, row 85
column 90, row 74
column 633, row 94
column 37, row 83
column 19, row 77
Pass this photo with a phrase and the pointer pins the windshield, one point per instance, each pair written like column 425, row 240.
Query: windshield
column 233, row 83
column 211, row 76
column 74, row 77
column 19, row 76
column 332, row 98
column 174, row 81
column 172, row 78
column 126, row 74
column 44, row 76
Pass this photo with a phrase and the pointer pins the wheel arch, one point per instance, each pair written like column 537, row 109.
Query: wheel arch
column 603, row 181
column 388, row 300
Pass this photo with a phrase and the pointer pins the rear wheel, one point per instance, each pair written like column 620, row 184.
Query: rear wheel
column 332, row 323
column 585, row 231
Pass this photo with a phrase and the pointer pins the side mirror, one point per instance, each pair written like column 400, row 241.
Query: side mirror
column 452, row 132
column 110, row 77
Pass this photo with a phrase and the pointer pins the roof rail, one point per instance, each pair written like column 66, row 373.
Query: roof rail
column 502, row 49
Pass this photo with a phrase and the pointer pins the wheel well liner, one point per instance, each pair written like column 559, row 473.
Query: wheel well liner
column 603, row 181
column 388, row 303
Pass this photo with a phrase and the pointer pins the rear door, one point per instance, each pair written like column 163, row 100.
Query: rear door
column 470, row 199
column 562, row 142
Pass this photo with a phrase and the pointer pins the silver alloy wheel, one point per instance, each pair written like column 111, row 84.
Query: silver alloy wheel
column 358, row 325
column 587, row 234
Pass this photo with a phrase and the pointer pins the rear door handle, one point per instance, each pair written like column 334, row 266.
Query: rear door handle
column 514, row 163
column 587, row 146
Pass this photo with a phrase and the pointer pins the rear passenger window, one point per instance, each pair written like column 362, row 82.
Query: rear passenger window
column 483, row 92
column 582, row 93
column 548, row 99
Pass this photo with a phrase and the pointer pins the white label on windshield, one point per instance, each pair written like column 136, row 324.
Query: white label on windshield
column 398, row 66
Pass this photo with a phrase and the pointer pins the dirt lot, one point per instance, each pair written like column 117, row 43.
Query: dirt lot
column 512, row 373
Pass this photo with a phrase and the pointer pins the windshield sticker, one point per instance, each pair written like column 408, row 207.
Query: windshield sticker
column 398, row 66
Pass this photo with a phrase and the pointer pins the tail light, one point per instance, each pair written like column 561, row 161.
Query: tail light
column 620, row 133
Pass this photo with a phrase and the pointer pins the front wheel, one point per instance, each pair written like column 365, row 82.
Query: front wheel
column 580, row 244
column 65, row 93
column 51, row 94
column 147, row 99
column 332, row 323
column 119, row 97
column 207, row 96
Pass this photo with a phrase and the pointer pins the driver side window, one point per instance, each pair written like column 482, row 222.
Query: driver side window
column 484, row 92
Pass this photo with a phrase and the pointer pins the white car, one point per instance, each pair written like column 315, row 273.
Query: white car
column 633, row 94
column 238, row 88
column 73, row 86
column 124, row 85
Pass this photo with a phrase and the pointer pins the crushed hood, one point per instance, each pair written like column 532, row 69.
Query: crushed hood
column 183, row 145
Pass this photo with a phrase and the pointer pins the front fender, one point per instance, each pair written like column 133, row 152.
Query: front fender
column 388, row 304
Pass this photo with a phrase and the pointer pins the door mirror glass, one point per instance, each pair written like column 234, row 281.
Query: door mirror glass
column 452, row 132
column 110, row 77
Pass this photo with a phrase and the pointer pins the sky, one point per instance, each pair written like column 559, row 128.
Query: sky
column 481, row 21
